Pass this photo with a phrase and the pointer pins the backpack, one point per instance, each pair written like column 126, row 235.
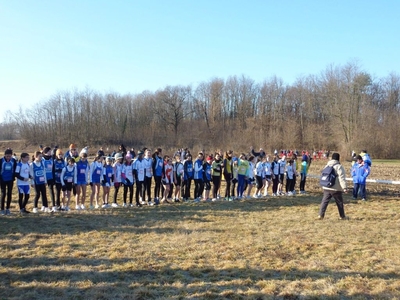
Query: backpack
column 328, row 176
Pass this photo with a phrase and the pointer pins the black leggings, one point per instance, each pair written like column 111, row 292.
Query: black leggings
column 58, row 194
column 216, row 184
column 50, row 185
column 157, row 186
column 228, row 179
column 187, row 188
column 23, row 201
column 198, row 188
column 40, row 190
column 139, row 186
column 146, row 188
column 6, row 185
column 130, row 188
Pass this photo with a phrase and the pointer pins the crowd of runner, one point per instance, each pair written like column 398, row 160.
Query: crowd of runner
column 146, row 177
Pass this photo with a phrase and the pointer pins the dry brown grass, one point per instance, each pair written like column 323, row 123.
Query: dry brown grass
column 256, row 249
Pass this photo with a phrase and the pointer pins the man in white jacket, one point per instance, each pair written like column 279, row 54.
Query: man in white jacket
column 336, row 190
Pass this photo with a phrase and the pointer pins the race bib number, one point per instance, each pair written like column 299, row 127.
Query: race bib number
column 98, row 172
column 41, row 179
column 82, row 171
column 7, row 167
column 129, row 173
column 109, row 175
column 69, row 179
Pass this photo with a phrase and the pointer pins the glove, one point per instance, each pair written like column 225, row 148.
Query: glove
column 127, row 181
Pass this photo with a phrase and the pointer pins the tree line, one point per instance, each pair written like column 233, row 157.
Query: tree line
column 342, row 108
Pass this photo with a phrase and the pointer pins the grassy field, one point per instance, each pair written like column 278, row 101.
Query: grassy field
column 270, row 248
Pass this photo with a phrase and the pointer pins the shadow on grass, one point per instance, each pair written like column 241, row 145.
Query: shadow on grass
column 166, row 282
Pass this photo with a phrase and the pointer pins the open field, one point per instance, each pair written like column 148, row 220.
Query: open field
column 271, row 248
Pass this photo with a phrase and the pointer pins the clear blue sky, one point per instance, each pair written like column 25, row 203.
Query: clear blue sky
column 48, row 46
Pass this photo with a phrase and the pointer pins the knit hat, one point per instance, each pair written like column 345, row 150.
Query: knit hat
column 84, row 150
column 128, row 155
column 46, row 150
column 336, row 156
column 209, row 158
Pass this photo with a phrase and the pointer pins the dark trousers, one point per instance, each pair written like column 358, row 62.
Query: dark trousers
column 157, row 186
column 187, row 188
column 130, row 188
column 228, row 179
column 146, row 188
column 289, row 185
column 303, row 181
column 328, row 195
column 198, row 188
column 116, row 189
column 23, row 200
column 216, row 184
column 139, row 187
column 50, row 185
column 275, row 182
column 40, row 191
column 58, row 194
column 6, row 190
column 358, row 187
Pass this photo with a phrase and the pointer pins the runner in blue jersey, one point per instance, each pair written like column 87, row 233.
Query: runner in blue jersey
column 7, row 169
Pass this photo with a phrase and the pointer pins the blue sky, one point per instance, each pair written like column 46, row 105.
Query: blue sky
column 48, row 46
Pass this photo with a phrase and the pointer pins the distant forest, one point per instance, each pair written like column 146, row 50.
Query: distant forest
column 343, row 108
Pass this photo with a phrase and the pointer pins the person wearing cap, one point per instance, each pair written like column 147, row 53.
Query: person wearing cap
column 22, row 175
column 366, row 158
column 360, row 171
column 59, row 164
column 7, row 176
column 128, row 179
column 82, row 175
column 95, row 174
column 117, row 176
column 48, row 161
column 71, row 152
column 335, row 191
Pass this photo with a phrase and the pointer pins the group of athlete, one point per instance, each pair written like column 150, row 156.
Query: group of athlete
column 70, row 174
